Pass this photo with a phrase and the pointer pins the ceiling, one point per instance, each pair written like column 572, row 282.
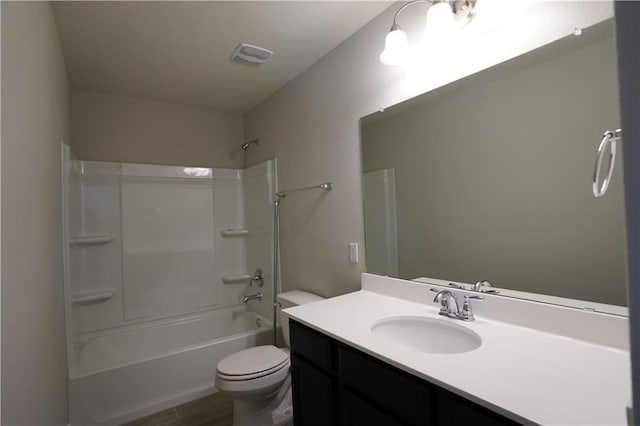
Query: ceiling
column 179, row 51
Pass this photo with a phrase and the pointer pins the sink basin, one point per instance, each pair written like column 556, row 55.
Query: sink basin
column 427, row 335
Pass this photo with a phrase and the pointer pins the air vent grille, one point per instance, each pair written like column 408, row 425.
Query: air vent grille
column 248, row 54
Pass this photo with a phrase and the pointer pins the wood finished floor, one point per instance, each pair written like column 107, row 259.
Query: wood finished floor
column 212, row 410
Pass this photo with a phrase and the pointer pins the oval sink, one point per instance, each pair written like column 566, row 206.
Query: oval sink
column 427, row 335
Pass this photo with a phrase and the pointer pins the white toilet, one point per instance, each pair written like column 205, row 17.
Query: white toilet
column 258, row 378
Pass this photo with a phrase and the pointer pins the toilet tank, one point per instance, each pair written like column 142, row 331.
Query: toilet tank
column 288, row 299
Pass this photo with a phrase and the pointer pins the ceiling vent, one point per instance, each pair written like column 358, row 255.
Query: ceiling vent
column 250, row 55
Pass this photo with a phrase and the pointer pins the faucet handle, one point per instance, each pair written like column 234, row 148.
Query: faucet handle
column 257, row 278
column 467, row 312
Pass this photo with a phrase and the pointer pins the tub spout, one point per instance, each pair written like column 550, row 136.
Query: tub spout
column 257, row 296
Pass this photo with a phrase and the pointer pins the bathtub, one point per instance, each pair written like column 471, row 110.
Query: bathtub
column 126, row 374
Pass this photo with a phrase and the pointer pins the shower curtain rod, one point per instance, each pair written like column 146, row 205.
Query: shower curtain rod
column 327, row 186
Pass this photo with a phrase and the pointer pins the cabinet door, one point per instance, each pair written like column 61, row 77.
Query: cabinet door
column 395, row 391
column 354, row 411
column 312, row 395
column 455, row 410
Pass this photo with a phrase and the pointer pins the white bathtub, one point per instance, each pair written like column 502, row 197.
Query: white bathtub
column 124, row 375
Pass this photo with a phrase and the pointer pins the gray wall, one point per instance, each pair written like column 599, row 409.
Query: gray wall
column 493, row 179
column 312, row 126
column 121, row 129
column 35, row 104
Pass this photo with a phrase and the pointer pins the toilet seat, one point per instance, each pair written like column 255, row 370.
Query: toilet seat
column 253, row 371
column 238, row 378
column 253, row 363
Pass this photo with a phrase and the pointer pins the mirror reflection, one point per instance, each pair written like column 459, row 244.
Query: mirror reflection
column 490, row 177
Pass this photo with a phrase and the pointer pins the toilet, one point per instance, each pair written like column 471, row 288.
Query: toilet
column 258, row 378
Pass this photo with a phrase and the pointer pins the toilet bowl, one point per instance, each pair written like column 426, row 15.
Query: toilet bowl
column 258, row 378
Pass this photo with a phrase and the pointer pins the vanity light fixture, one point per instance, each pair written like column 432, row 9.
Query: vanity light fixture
column 442, row 17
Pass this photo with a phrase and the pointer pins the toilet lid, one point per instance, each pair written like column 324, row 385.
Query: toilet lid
column 257, row 360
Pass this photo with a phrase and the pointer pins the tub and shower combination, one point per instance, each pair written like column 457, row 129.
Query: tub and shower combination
column 157, row 260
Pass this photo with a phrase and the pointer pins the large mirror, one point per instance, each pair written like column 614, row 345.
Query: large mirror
column 490, row 177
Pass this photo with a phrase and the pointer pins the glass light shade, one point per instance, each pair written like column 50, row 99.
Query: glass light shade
column 439, row 20
column 396, row 48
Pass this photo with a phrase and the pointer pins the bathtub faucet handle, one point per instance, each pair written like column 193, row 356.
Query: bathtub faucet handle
column 257, row 278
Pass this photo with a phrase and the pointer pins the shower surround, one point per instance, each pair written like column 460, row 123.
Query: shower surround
column 157, row 260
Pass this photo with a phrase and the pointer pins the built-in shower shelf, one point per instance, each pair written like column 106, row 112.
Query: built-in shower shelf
column 92, row 297
column 237, row 278
column 90, row 240
column 234, row 233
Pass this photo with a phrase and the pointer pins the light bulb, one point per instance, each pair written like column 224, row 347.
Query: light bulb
column 439, row 21
column 396, row 48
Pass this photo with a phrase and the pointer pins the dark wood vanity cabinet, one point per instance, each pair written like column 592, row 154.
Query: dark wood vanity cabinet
column 313, row 395
column 335, row 384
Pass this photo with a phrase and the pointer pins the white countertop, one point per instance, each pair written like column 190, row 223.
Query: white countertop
column 528, row 375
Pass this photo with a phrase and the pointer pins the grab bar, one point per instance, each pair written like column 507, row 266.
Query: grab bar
column 92, row 297
column 609, row 138
column 239, row 278
column 90, row 240
column 234, row 233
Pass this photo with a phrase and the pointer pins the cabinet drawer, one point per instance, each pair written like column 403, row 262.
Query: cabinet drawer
column 311, row 345
column 387, row 387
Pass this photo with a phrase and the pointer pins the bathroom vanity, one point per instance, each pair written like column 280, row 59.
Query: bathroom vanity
column 534, row 363
column 337, row 384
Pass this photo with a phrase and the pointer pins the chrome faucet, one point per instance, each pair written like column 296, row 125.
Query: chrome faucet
column 449, row 305
column 482, row 286
column 257, row 296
